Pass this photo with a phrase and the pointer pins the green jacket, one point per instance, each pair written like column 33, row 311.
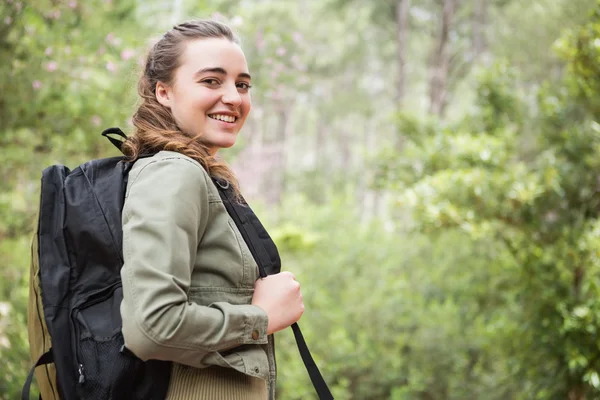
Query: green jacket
column 188, row 276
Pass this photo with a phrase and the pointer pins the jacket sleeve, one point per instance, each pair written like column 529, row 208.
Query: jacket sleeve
column 164, row 218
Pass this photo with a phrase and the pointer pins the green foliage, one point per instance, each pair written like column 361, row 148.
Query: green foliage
column 389, row 314
column 539, row 24
column 57, row 92
column 480, row 281
column 13, row 337
column 540, row 201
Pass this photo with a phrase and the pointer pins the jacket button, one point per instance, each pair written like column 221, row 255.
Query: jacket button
column 256, row 370
column 255, row 335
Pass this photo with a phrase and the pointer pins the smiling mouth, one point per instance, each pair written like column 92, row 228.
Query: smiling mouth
column 224, row 118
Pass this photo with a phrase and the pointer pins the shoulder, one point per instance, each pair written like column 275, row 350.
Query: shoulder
column 168, row 167
column 171, row 160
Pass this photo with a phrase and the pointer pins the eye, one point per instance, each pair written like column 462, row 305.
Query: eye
column 211, row 81
column 244, row 86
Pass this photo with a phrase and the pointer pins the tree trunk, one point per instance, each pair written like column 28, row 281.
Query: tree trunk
column 441, row 60
column 480, row 9
column 345, row 140
column 320, row 165
column 576, row 393
column 320, row 143
column 277, row 172
column 249, row 165
column 402, row 8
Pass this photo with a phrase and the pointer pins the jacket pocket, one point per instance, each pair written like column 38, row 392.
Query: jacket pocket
column 249, row 265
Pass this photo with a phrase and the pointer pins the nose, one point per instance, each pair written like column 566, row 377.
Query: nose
column 231, row 95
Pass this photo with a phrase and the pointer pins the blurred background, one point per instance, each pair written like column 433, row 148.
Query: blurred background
column 429, row 169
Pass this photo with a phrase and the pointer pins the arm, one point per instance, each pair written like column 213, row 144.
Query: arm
column 164, row 218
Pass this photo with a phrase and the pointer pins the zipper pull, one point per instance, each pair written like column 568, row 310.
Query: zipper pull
column 81, row 375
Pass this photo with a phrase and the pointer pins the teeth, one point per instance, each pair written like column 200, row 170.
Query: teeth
column 221, row 117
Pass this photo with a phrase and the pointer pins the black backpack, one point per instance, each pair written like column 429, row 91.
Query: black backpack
column 75, row 289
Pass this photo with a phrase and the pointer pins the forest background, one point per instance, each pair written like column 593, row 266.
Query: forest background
column 430, row 170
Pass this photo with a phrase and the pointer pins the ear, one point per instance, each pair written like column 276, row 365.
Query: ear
column 163, row 94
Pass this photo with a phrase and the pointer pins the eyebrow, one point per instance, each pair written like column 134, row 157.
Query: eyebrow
column 219, row 70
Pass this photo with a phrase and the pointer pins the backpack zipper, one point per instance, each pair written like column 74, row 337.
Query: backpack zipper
column 80, row 369
column 81, row 375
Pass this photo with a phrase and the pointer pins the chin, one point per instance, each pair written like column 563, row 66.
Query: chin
column 224, row 145
column 222, row 142
column 227, row 141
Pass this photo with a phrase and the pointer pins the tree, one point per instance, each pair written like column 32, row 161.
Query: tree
column 402, row 11
column 58, row 89
column 539, row 200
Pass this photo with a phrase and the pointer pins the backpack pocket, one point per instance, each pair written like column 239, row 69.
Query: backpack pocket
column 105, row 368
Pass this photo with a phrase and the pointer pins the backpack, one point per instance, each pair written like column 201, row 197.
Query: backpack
column 74, row 320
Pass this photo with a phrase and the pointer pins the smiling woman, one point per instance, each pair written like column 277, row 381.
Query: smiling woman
column 197, row 68
column 209, row 96
column 191, row 293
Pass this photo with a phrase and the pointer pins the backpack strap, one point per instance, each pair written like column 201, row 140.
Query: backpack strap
column 260, row 255
column 249, row 234
column 311, row 367
column 115, row 131
column 46, row 358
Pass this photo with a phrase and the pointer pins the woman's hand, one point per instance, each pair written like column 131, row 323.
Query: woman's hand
column 279, row 295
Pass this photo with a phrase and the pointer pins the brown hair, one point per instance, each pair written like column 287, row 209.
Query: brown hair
column 155, row 126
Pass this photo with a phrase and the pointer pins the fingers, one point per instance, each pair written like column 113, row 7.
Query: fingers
column 289, row 273
column 294, row 281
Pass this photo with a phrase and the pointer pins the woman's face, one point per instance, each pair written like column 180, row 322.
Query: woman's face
column 209, row 95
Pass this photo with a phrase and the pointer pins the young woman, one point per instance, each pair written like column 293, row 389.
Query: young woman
column 190, row 284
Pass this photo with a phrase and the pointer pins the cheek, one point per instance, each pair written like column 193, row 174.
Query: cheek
column 247, row 104
column 199, row 105
column 189, row 114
